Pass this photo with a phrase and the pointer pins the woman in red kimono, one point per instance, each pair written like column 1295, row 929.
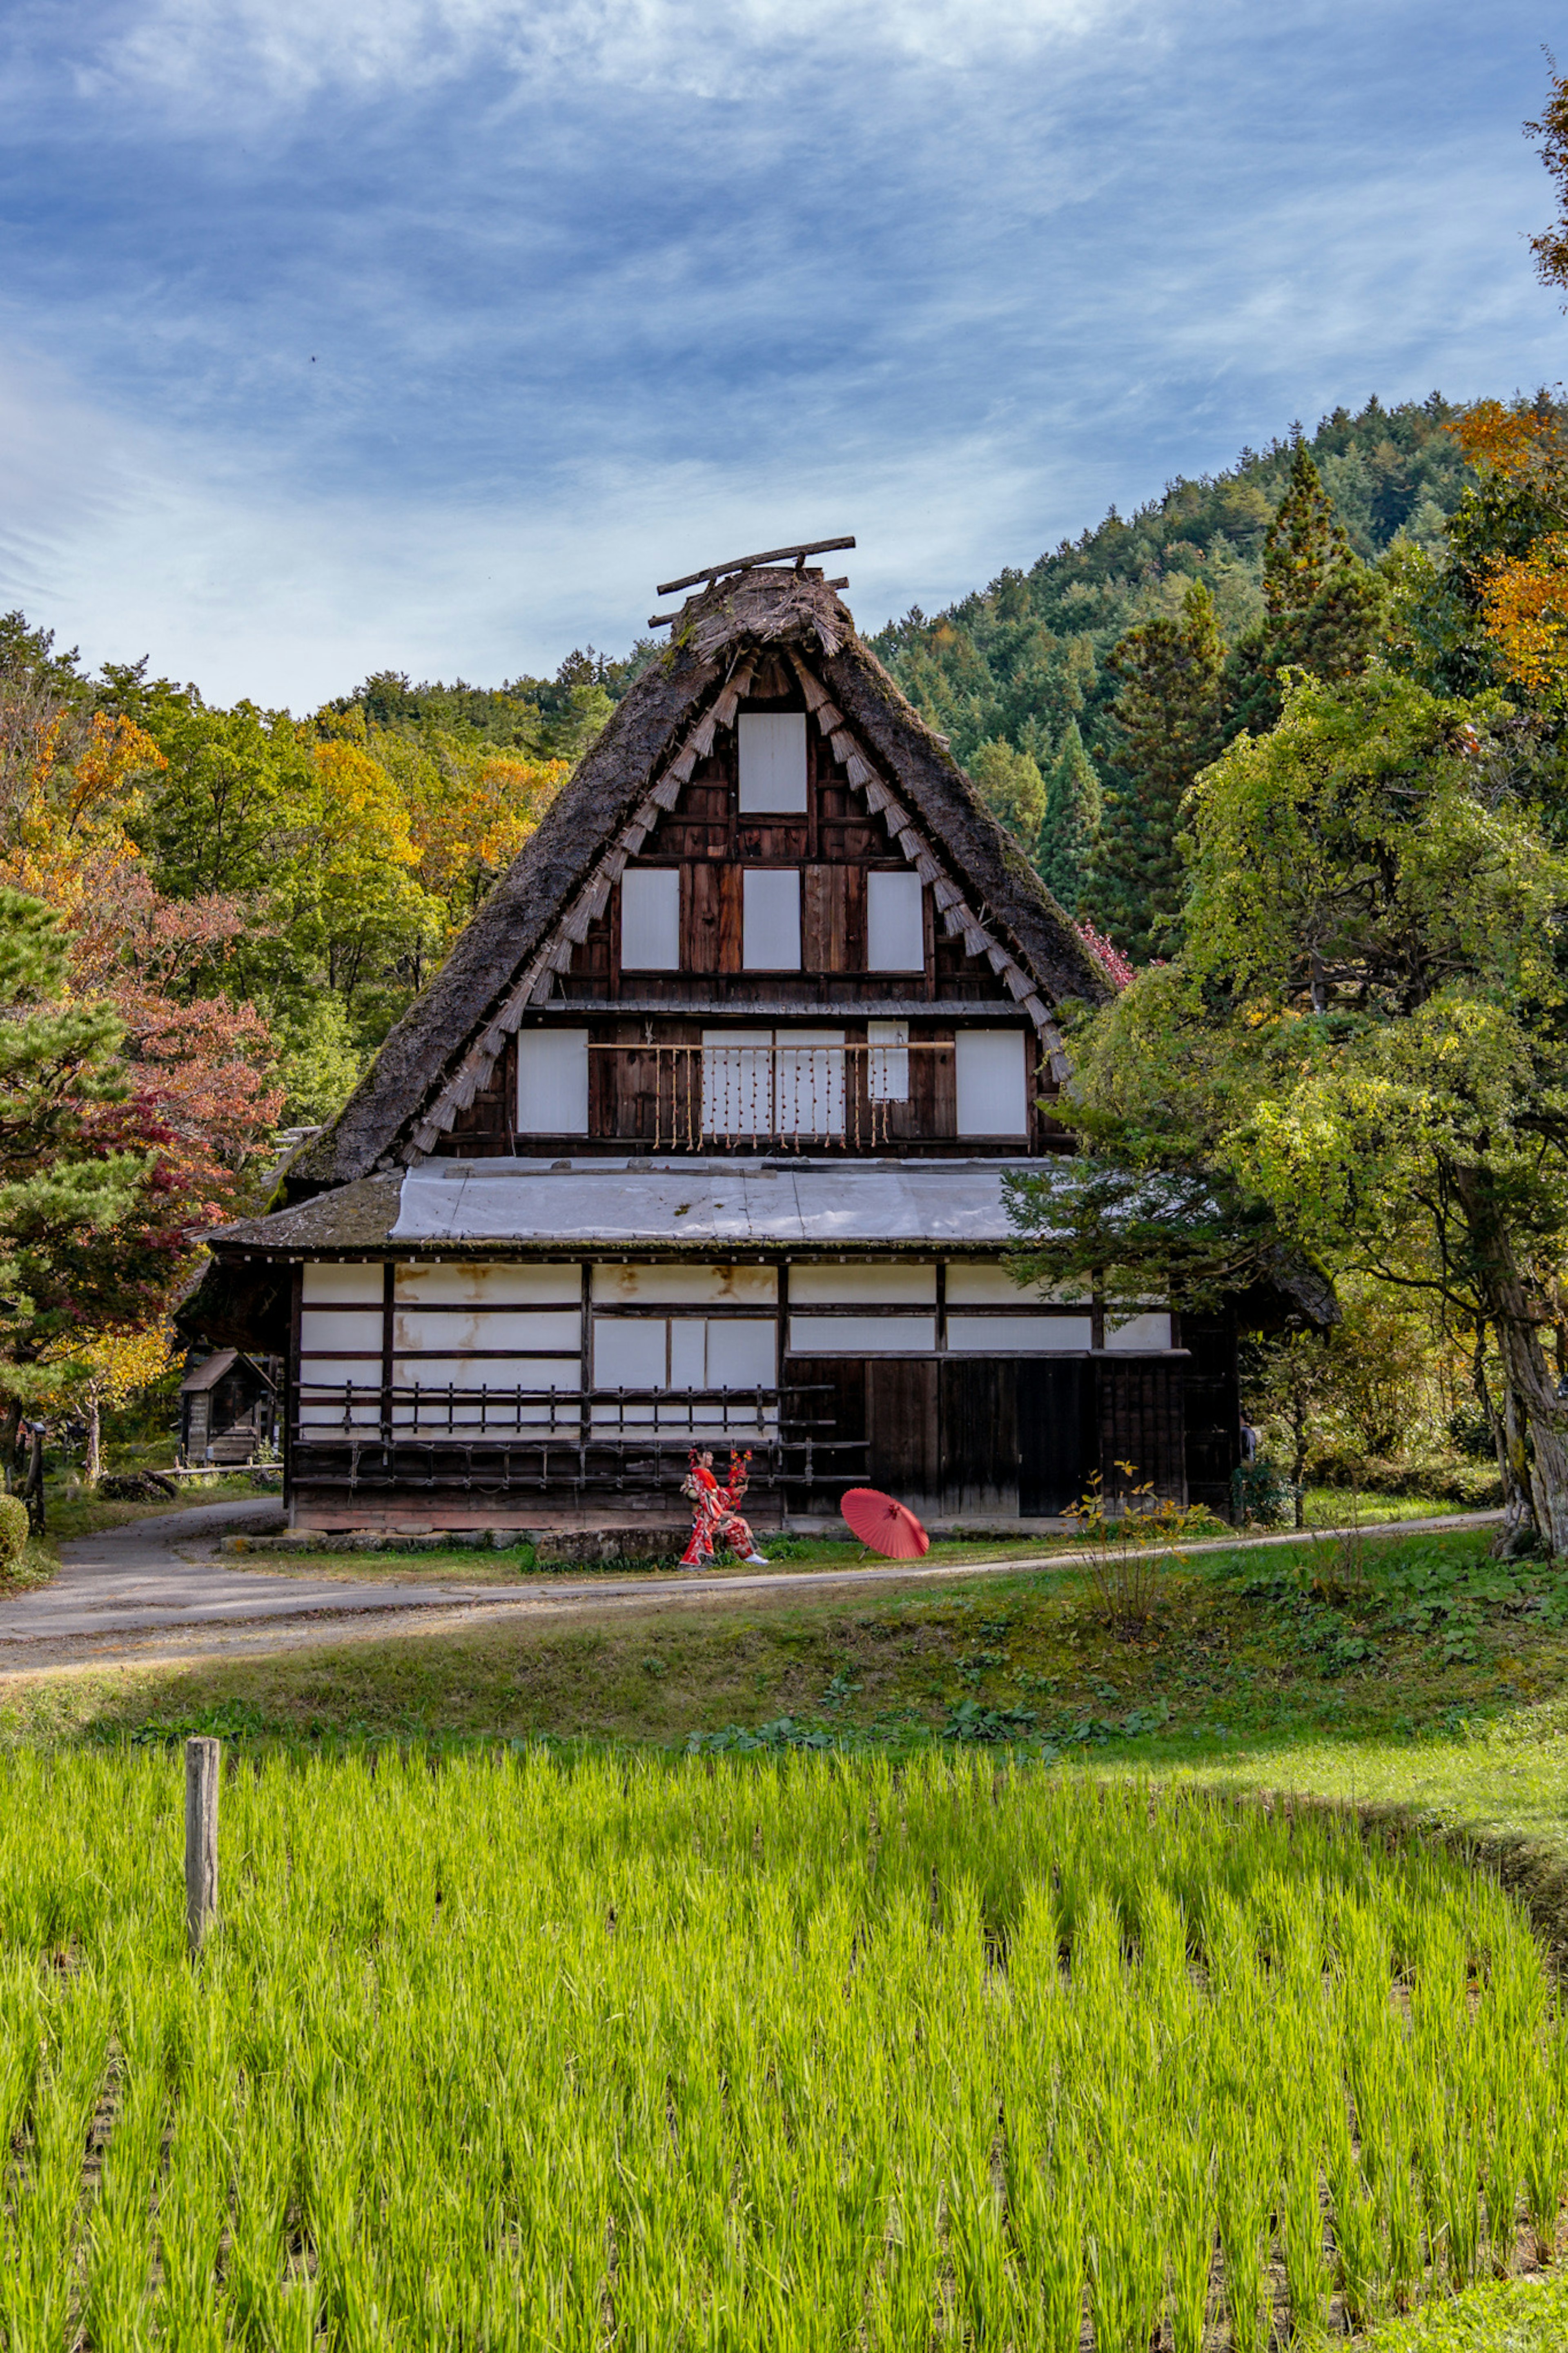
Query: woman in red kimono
column 715, row 1518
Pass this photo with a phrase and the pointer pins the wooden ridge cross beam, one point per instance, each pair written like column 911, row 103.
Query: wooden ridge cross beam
column 711, row 574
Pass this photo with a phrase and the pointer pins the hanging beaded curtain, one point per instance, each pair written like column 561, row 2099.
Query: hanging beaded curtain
column 803, row 1094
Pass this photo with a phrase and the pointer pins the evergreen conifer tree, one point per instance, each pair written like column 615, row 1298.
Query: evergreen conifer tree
column 1168, row 718
column 1321, row 605
column 1074, row 806
column 1012, row 788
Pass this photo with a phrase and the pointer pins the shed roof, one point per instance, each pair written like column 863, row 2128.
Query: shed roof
column 212, row 1369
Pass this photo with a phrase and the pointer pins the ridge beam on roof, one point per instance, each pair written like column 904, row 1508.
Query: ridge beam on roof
column 712, row 572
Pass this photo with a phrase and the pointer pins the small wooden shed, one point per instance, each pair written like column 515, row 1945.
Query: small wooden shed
column 228, row 1406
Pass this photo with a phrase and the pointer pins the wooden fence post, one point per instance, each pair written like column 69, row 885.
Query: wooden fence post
column 202, row 1764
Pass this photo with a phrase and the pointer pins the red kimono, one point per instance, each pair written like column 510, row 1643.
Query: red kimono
column 715, row 1520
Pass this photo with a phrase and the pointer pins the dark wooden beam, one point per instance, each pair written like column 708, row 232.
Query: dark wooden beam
column 798, row 552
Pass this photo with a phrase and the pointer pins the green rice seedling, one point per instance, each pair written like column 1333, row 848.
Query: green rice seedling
column 1544, row 2162
column 1402, row 2208
column 1461, row 2205
column 1190, row 2246
column 1309, row 2277
column 1502, row 2183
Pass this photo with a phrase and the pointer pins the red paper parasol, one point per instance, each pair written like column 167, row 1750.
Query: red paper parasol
column 883, row 1525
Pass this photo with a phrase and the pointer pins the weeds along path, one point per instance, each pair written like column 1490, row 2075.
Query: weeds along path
column 134, row 1595
column 780, row 2057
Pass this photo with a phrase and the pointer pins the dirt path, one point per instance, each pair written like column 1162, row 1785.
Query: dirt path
column 153, row 1593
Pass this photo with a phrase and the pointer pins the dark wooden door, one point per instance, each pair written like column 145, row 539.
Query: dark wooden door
column 1142, row 1423
column 1212, row 1410
column 825, row 1403
column 1059, row 1442
column 979, row 1427
column 903, row 1429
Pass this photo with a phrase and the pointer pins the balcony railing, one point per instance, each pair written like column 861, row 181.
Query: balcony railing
column 796, row 1093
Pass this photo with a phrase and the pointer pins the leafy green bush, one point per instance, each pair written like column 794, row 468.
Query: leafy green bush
column 13, row 1532
column 1517, row 2315
column 1263, row 1493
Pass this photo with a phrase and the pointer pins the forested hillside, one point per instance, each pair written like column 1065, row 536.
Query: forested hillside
column 1021, row 676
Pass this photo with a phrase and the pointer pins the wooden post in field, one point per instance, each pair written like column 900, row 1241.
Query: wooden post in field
column 201, row 1761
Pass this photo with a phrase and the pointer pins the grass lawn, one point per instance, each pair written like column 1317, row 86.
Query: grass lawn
column 1425, row 1673
column 1326, row 1507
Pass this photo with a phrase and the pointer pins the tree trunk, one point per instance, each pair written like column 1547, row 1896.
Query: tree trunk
column 1298, row 1459
column 1518, row 1534
column 1535, row 1418
column 92, row 1467
column 10, row 1441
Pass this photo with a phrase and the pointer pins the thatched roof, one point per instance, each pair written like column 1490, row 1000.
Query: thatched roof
column 798, row 612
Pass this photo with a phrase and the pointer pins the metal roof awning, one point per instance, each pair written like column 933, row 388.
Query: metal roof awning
column 815, row 1205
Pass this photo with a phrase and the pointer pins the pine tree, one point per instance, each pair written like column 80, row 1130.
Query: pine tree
column 1168, row 719
column 1321, row 607
column 1074, row 806
column 1012, row 788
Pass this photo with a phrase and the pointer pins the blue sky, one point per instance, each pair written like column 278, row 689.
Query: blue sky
column 343, row 333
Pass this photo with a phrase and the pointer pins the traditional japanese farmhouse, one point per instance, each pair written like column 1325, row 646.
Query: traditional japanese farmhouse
column 701, row 1131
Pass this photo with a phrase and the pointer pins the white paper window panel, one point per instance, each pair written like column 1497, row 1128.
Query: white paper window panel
column 630, row 1352
column 862, row 1286
column 895, row 923
column 650, row 919
column 770, row 919
column 861, row 1336
column 981, row 1282
column 1002, row 1335
column 1139, row 1332
column 688, row 1286
column 888, row 1063
column 552, row 1082
column 808, row 1082
column 992, row 1082
column 353, row 1328
column 456, row 1286
column 454, row 1332
column 682, row 1352
column 342, row 1284
column 736, row 1082
column 741, row 1354
column 773, row 761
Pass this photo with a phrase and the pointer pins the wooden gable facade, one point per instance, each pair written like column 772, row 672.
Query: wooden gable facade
column 700, row 1135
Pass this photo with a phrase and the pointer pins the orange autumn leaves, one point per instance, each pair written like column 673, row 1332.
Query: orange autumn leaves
column 1525, row 596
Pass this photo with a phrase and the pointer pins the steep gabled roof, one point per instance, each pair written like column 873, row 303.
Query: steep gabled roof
column 509, row 952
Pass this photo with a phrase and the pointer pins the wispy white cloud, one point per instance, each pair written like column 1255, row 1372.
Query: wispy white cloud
column 294, row 48
column 433, row 331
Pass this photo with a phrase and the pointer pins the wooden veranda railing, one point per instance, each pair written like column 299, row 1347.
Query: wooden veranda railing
column 345, row 1434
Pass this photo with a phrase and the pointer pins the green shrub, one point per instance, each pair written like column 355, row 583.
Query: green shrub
column 1517, row 2315
column 1263, row 1495
column 13, row 1532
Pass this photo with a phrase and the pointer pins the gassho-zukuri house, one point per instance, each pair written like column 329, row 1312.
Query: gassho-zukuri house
column 700, row 1133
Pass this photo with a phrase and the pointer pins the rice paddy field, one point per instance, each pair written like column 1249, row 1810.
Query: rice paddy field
column 802, row 2052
